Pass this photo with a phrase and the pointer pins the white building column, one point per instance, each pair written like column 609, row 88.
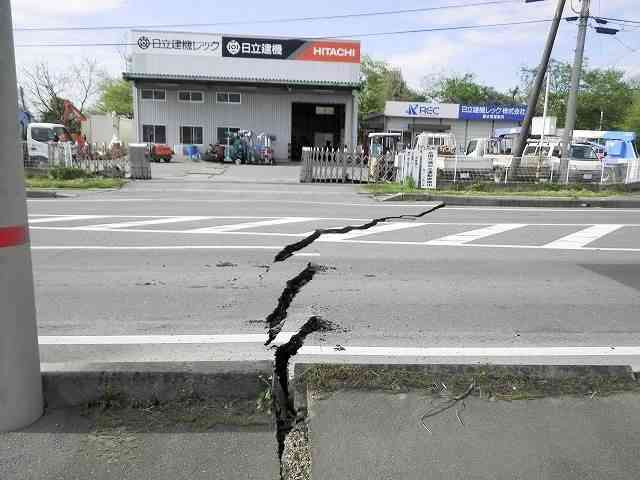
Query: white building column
column 20, row 381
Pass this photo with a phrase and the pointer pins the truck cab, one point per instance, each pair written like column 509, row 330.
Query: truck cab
column 40, row 135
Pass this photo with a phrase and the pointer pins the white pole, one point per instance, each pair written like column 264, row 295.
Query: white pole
column 20, row 381
column 546, row 106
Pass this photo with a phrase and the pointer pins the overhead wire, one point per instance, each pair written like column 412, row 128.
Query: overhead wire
column 266, row 21
column 328, row 37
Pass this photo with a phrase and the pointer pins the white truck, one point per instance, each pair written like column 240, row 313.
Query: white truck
column 451, row 164
column 540, row 160
column 39, row 136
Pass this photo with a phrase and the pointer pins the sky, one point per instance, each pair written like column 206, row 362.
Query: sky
column 494, row 55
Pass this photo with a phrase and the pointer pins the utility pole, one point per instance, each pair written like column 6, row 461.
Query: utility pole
column 20, row 381
column 537, row 85
column 570, row 121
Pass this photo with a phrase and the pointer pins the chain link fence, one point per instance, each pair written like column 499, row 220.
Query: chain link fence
column 94, row 159
column 428, row 169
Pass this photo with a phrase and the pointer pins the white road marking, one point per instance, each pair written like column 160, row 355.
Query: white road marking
column 64, row 218
column 165, row 247
column 582, row 351
column 244, row 226
column 140, row 230
column 582, row 238
column 380, row 228
column 471, row 235
column 139, row 223
column 158, row 339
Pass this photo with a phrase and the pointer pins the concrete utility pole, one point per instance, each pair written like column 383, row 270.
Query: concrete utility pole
column 537, row 85
column 570, row 121
column 20, row 381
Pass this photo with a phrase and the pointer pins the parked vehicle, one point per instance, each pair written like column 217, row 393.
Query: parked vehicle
column 160, row 152
column 617, row 148
column 382, row 149
column 543, row 159
column 450, row 164
column 40, row 135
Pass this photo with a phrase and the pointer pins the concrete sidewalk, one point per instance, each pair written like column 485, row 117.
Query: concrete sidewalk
column 409, row 433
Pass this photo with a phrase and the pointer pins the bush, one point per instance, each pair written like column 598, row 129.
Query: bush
column 68, row 173
column 409, row 183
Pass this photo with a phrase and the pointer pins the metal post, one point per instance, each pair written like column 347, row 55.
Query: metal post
column 20, row 381
column 546, row 106
column 570, row 121
column 537, row 85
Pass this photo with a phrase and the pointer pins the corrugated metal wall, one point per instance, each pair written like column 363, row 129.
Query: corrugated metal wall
column 261, row 110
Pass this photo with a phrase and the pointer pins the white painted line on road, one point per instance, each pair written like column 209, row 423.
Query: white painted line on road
column 583, row 237
column 164, row 247
column 158, row 339
column 140, row 223
column 244, row 226
column 65, row 218
column 380, row 228
column 582, row 351
column 473, row 351
column 140, row 230
column 471, row 235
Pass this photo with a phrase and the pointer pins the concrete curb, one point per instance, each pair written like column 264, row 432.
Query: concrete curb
column 47, row 194
column 141, row 383
column 485, row 201
column 404, row 376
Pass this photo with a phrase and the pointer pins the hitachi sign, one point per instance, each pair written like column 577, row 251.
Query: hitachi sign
column 334, row 52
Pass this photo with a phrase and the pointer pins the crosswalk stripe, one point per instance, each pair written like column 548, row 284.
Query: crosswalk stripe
column 244, row 226
column 66, row 218
column 476, row 234
column 139, row 223
column 381, row 228
column 583, row 237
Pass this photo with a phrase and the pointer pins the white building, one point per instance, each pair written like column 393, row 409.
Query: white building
column 464, row 121
column 196, row 89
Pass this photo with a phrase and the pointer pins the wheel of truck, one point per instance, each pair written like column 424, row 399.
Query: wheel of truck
column 609, row 175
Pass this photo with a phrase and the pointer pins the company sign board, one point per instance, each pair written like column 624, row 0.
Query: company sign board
column 176, row 43
column 421, row 110
column 290, row 49
column 493, row 112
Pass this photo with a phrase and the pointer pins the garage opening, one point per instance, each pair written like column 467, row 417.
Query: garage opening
column 316, row 125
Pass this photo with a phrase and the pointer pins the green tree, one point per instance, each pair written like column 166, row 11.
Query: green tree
column 381, row 82
column 632, row 121
column 466, row 90
column 116, row 96
column 603, row 90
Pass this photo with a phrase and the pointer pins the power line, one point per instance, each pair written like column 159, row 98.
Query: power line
column 265, row 21
column 620, row 20
column 328, row 37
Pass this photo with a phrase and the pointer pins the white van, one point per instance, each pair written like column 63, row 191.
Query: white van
column 40, row 135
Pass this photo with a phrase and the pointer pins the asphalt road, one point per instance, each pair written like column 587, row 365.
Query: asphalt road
column 187, row 254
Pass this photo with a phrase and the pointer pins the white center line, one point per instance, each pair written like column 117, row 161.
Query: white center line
column 471, row 235
column 65, row 218
column 139, row 223
column 381, row 228
column 583, row 237
column 244, row 226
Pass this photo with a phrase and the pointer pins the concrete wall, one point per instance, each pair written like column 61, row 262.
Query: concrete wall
column 263, row 109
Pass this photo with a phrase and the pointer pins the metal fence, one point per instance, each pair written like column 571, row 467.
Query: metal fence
column 425, row 168
column 94, row 159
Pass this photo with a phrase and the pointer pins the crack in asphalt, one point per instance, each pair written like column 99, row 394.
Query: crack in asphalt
column 289, row 250
column 283, row 401
column 276, row 319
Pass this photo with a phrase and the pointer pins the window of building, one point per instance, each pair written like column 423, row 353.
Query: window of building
column 154, row 94
column 228, row 97
column 154, row 134
column 192, row 96
column 225, row 133
column 191, row 135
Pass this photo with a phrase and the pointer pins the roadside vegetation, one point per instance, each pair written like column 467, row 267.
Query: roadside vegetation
column 493, row 189
column 71, row 177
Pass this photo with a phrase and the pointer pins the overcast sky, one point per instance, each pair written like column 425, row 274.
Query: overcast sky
column 495, row 55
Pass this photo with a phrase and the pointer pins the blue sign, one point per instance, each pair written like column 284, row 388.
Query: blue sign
column 493, row 112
